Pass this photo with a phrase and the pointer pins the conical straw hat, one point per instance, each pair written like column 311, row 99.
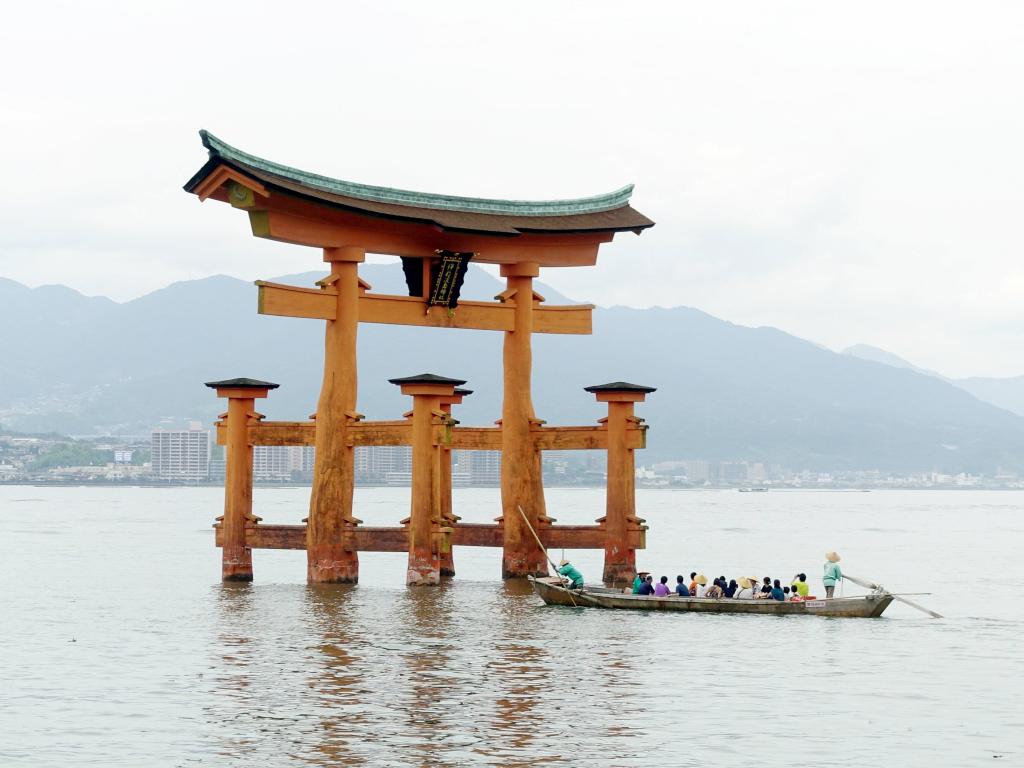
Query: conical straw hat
column 701, row 579
column 832, row 557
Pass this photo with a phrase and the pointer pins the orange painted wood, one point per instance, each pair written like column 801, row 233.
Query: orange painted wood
column 570, row 318
column 521, row 481
column 293, row 301
column 476, row 438
column 327, row 228
column 236, row 556
column 319, row 303
column 381, row 433
column 412, row 310
column 214, row 183
column 399, row 432
column 396, row 538
column 331, row 552
column 425, row 516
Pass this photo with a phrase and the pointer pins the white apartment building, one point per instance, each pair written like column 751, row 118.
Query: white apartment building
column 181, row 454
column 281, row 463
column 479, row 467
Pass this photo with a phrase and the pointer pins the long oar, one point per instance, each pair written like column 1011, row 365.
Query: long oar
column 872, row 585
column 541, row 545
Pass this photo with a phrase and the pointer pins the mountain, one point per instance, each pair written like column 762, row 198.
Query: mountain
column 867, row 352
column 1003, row 393
column 725, row 392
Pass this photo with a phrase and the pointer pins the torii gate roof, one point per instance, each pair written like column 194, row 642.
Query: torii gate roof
column 608, row 213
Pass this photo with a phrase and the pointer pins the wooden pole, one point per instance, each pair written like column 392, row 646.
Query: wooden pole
column 331, row 554
column 520, row 484
column 430, row 431
column 872, row 585
column 620, row 492
column 543, row 549
column 236, row 555
column 620, row 500
column 241, row 394
column 424, row 557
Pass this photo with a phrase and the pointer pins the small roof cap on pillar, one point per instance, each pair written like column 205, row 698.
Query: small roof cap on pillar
column 427, row 378
column 620, row 386
column 243, row 383
column 462, row 391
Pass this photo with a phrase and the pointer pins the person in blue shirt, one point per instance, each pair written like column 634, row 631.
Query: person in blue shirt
column 567, row 569
column 777, row 593
column 681, row 588
column 647, row 588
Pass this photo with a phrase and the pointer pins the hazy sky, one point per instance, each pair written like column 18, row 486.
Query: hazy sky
column 846, row 173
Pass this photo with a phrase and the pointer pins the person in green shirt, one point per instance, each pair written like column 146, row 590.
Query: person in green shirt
column 567, row 569
column 800, row 585
column 833, row 573
column 638, row 581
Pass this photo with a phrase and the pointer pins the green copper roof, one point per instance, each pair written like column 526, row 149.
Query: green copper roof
column 595, row 204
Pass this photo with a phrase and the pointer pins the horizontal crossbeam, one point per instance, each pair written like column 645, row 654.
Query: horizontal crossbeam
column 399, row 432
column 321, row 303
column 395, row 538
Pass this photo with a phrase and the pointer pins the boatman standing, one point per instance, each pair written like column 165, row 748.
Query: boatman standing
column 833, row 573
column 567, row 569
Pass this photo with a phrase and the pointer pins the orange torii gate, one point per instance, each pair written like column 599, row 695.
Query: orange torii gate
column 436, row 236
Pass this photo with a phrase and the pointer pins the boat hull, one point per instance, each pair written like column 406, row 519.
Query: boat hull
column 863, row 607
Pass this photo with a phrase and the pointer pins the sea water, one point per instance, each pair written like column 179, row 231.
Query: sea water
column 119, row 646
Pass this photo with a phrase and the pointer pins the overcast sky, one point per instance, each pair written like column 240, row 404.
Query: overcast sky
column 847, row 174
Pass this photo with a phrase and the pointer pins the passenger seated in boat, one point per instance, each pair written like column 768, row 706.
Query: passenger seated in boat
column 647, row 588
column 661, row 588
column 787, row 596
column 766, row 589
column 701, row 585
column 801, row 585
column 746, row 589
column 714, row 592
column 730, row 588
column 777, row 593
column 641, row 577
column 693, row 583
column 681, row 589
column 567, row 569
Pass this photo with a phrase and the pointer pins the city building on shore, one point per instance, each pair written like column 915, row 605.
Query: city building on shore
column 181, row 454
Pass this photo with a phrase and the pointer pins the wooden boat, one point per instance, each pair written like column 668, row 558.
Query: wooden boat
column 551, row 591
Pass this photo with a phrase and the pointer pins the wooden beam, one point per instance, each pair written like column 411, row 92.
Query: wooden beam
column 396, row 539
column 212, row 183
column 476, row 438
column 276, row 433
column 571, row 318
column 413, row 310
column 292, row 301
column 294, row 221
column 321, row 304
column 380, row 433
column 398, row 432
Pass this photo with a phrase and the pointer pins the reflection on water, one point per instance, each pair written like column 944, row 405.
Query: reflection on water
column 103, row 666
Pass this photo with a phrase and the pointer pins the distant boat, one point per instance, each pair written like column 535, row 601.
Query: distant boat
column 758, row 489
column 551, row 591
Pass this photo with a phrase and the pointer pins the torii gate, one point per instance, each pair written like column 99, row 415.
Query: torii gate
column 436, row 235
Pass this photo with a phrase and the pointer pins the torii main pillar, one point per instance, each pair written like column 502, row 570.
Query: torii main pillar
column 521, row 481
column 331, row 554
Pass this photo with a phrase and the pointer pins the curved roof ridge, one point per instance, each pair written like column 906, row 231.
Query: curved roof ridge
column 595, row 204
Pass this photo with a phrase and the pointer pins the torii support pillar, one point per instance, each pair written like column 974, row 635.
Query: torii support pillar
column 331, row 554
column 241, row 394
column 521, row 481
column 427, row 531
column 620, row 505
column 448, row 516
